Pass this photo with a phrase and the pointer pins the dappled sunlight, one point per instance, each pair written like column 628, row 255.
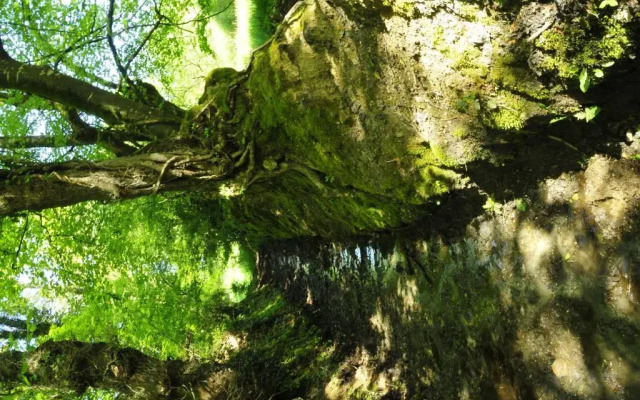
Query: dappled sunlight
column 384, row 326
column 537, row 248
column 357, row 376
column 242, row 34
column 533, row 303
column 569, row 365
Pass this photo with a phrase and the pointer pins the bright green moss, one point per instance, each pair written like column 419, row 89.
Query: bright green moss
column 576, row 46
column 517, row 79
column 507, row 111
column 469, row 64
column 507, row 119
column 405, row 8
column 460, row 132
column 293, row 206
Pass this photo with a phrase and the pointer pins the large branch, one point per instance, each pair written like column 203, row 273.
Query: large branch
column 100, row 138
column 113, row 108
column 83, row 134
column 38, row 186
column 78, row 366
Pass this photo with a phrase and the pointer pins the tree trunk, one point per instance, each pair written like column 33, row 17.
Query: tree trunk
column 354, row 117
column 78, row 366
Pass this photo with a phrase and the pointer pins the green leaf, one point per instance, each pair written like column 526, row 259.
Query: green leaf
column 521, row 205
column 585, row 81
column 591, row 112
column 598, row 73
column 610, row 3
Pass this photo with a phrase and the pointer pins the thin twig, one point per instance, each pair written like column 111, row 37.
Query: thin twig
column 141, row 45
column 24, row 232
column 112, row 46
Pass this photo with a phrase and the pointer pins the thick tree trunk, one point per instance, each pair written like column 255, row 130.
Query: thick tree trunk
column 353, row 117
column 78, row 366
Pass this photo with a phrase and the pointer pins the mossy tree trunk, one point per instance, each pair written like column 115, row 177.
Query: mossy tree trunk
column 76, row 366
column 353, row 117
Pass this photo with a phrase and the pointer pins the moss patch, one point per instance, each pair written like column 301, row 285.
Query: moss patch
column 507, row 111
column 589, row 43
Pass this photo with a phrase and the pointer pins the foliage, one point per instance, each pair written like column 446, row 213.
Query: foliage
column 125, row 281
column 592, row 43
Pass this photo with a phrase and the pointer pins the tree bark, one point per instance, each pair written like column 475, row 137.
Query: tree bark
column 112, row 108
column 78, row 366
column 352, row 117
column 39, row 186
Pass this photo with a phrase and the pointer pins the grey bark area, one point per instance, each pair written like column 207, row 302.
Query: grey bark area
column 55, row 185
column 78, row 366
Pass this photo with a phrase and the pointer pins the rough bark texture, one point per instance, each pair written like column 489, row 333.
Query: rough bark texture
column 78, row 366
column 397, row 105
column 56, row 185
column 353, row 117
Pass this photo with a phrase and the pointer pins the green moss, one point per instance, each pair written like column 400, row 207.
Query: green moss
column 507, row 111
column 429, row 160
column 506, row 74
column 293, row 206
column 438, row 40
column 588, row 44
column 469, row 64
column 469, row 12
column 405, row 8
column 359, row 178
column 460, row 132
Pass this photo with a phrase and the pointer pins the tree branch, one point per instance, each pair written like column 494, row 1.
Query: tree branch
column 86, row 134
column 3, row 53
column 112, row 46
column 19, row 249
column 112, row 108
column 35, row 186
column 141, row 45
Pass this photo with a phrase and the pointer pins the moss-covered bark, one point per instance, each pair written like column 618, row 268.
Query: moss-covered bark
column 395, row 105
column 355, row 116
